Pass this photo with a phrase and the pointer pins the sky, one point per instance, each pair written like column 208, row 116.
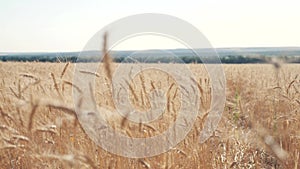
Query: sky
column 57, row 26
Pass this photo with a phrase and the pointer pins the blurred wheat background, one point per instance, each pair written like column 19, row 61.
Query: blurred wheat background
column 259, row 127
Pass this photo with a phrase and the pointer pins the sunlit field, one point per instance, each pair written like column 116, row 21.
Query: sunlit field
column 260, row 125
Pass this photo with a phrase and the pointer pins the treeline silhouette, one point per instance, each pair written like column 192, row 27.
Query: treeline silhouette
column 234, row 59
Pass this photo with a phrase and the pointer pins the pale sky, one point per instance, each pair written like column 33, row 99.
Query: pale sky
column 56, row 26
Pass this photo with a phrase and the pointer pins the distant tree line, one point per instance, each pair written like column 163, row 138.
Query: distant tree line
column 233, row 59
column 42, row 58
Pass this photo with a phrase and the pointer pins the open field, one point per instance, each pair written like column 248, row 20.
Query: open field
column 259, row 127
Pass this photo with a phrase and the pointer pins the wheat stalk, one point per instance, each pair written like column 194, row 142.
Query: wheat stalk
column 64, row 70
column 56, row 85
column 89, row 73
column 106, row 58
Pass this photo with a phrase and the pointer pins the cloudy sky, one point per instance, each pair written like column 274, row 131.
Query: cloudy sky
column 53, row 25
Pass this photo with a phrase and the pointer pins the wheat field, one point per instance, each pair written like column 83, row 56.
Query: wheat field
column 259, row 127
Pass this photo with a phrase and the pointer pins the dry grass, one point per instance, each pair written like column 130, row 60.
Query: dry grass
column 259, row 127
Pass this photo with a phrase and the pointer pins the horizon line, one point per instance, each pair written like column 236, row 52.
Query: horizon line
column 124, row 50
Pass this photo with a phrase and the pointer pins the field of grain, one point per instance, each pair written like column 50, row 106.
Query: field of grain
column 259, row 126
